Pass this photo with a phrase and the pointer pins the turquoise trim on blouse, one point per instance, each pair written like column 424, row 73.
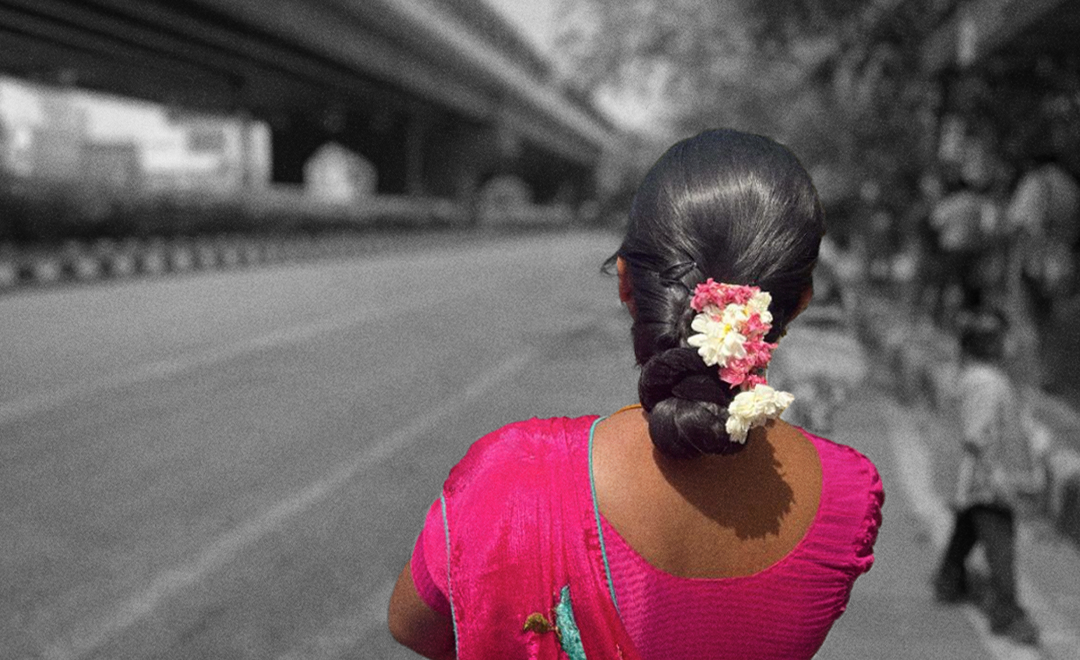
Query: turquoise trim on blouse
column 449, row 584
column 596, row 509
column 569, row 635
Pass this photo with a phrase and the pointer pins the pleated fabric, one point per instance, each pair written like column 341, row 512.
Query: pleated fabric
column 524, row 578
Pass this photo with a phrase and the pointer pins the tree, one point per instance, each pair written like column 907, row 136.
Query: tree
column 838, row 80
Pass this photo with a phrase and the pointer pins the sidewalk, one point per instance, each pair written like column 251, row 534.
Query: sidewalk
column 892, row 615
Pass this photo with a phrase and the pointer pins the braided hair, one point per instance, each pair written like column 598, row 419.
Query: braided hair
column 738, row 208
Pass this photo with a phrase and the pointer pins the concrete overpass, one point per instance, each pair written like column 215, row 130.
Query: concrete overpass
column 439, row 95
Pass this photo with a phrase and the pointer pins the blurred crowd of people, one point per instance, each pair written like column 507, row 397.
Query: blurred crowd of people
column 996, row 236
column 988, row 255
column 1008, row 248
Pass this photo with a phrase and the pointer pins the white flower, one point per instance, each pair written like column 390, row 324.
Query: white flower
column 745, row 405
column 716, row 341
column 708, row 324
column 737, row 428
column 760, row 303
column 753, row 408
column 735, row 315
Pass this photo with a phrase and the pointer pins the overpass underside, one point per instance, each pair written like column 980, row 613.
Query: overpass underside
column 401, row 87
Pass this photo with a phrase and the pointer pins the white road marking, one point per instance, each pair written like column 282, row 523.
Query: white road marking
column 90, row 635
column 342, row 635
column 913, row 461
column 1059, row 639
column 160, row 370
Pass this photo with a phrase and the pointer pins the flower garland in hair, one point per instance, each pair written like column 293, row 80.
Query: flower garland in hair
column 731, row 325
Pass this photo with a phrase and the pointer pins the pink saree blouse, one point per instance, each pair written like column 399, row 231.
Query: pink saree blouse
column 515, row 548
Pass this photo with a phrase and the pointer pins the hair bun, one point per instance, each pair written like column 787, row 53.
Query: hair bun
column 700, row 387
column 664, row 372
column 686, row 403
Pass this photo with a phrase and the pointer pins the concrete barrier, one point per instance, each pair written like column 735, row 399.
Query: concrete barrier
column 83, row 267
column 33, row 265
column 152, row 260
column 120, row 264
column 9, row 273
column 41, row 268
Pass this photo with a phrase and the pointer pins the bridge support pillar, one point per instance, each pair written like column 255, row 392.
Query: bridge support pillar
column 455, row 156
column 255, row 160
column 291, row 144
column 417, row 128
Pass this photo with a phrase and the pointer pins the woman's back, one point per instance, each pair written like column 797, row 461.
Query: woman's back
column 757, row 562
column 756, row 505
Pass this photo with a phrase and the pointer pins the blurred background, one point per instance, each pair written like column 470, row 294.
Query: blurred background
column 263, row 262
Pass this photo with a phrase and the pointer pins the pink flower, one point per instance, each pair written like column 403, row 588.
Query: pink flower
column 710, row 292
column 758, row 352
column 732, row 376
column 755, row 327
column 740, row 294
column 753, row 380
column 735, row 371
column 706, row 293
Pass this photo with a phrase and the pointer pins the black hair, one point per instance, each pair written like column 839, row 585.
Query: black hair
column 738, row 208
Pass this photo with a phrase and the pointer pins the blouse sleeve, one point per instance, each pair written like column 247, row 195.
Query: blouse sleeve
column 864, row 547
column 428, row 564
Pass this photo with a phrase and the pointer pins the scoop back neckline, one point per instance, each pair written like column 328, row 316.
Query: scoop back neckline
column 793, row 552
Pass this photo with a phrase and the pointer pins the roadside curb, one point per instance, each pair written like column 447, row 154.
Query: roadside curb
column 89, row 261
column 33, row 266
column 77, row 261
column 923, row 362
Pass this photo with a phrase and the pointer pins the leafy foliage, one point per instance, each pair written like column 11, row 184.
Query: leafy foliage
column 836, row 79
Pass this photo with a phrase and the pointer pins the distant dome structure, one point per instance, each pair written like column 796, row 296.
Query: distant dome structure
column 337, row 174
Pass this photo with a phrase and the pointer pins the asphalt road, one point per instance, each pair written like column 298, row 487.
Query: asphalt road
column 235, row 465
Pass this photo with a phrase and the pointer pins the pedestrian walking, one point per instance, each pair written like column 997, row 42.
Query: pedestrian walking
column 694, row 523
column 996, row 471
column 966, row 221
